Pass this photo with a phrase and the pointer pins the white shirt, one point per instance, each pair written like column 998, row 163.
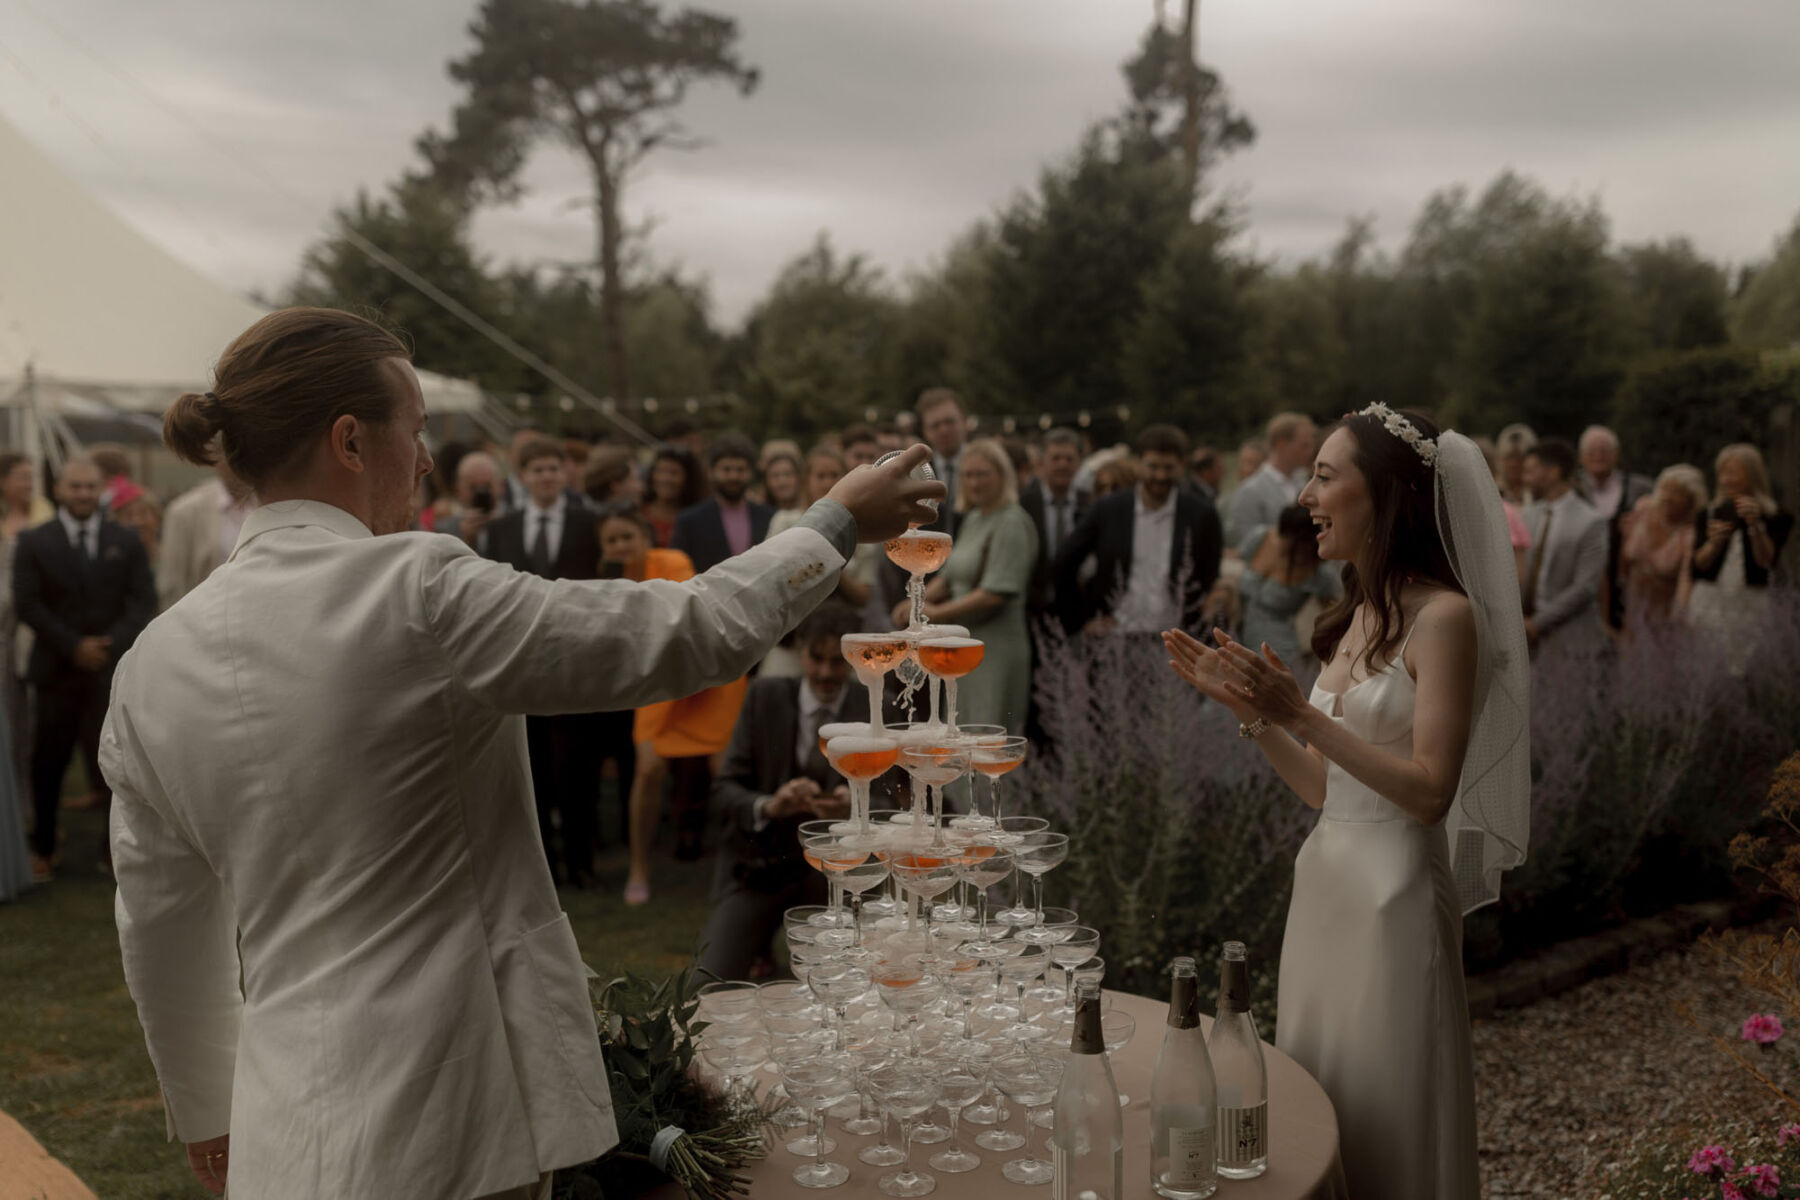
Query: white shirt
column 1607, row 498
column 1148, row 605
column 814, row 712
column 320, row 779
column 80, row 530
column 232, row 512
column 553, row 531
column 1289, row 484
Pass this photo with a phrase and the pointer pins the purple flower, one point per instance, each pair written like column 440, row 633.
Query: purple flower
column 1764, row 1178
column 1763, row 1028
column 1708, row 1159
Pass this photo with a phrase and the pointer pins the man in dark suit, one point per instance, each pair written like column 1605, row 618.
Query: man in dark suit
column 1206, row 471
column 728, row 523
column 83, row 585
column 1056, row 506
column 774, row 778
column 1155, row 549
column 556, row 538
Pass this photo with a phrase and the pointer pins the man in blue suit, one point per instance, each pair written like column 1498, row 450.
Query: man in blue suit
column 728, row 523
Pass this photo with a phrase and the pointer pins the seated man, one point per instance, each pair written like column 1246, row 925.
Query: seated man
column 774, row 778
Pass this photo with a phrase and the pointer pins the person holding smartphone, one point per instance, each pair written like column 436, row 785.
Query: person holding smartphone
column 1738, row 541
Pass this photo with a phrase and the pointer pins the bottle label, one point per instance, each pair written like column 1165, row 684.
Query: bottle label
column 1243, row 1135
column 1190, row 1158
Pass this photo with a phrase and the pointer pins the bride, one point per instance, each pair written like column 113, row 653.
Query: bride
column 1414, row 748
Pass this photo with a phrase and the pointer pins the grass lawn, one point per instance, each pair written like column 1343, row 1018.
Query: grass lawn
column 73, row 1069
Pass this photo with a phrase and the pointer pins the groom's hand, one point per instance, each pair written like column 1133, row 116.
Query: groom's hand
column 886, row 499
column 208, row 1162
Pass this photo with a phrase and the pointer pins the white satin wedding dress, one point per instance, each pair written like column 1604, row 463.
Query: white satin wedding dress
column 1371, row 996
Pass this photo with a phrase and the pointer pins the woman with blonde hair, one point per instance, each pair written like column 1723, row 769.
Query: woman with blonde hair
column 985, row 584
column 1511, row 447
column 1738, row 542
column 1657, row 546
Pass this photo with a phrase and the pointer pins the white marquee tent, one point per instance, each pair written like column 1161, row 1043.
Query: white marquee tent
column 96, row 320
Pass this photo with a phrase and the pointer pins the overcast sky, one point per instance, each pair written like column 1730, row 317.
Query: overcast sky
column 894, row 125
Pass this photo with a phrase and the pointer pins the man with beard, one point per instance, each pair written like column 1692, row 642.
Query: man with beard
column 728, row 523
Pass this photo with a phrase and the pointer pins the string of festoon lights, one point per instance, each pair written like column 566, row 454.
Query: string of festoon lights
column 696, row 406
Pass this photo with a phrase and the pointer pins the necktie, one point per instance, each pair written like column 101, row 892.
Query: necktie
column 1058, row 526
column 1537, row 563
column 540, row 547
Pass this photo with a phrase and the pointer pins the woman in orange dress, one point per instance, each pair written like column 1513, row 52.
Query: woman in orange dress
column 675, row 736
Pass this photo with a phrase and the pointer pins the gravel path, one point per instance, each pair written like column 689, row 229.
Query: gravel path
column 1565, row 1085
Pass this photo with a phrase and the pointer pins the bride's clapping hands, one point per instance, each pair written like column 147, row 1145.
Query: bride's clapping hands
column 1248, row 683
column 1208, row 672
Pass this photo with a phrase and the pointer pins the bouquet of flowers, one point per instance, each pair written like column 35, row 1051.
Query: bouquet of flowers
column 672, row 1125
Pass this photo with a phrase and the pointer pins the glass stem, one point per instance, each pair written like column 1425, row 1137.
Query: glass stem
column 1037, row 891
column 981, row 907
column 1068, row 986
column 875, row 722
column 843, row 1017
column 994, row 796
column 931, row 686
column 818, row 1128
column 1030, row 1125
column 907, row 1125
column 950, row 704
column 856, row 919
column 955, row 1140
column 915, row 590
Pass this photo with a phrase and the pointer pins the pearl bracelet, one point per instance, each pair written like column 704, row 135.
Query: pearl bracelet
column 1254, row 729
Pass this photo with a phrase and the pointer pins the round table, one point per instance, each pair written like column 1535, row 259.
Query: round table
column 1303, row 1137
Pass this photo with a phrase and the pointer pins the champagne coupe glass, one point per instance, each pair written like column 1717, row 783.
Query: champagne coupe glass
column 1037, row 856
column 730, row 1009
column 830, row 856
column 1032, row 1080
column 857, row 878
column 918, row 552
column 737, row 1062
column 1055, row 927
column 995, row 954
column 949, row 659
column 1020, row 970
column 971, row 736
column 908, row 1090
column 1116, row 1029
column 936, row 766
column 981, row 864
column 1010, row 832
column 1082, row 944
column 994, row 757
column 925, row 877
column 910, row 734
column 860, row 760
column 907, row 991
column 839, row 983
column 868, row 1048
column 837, row 729
column 872, row 656
column 962, row 1066
column 970, row 979
column 818, row 1085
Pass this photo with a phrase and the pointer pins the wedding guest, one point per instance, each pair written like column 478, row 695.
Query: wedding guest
column 985, row 585
column 1156, row 550
column 1613, row 493
column 1511, row 447
column 824, row 467
column 1206, row 473
column 728, row 522
column 83, row 586
column 1282, row 571
column 480, row 497
column 612, row 474
column 783, row 486
column 140, row 511
column 15, row 855
column 1292, row 439
column 552, row 538
column 348, row 958
column 1561, row 598
column 945, row 424
column 1516, row 531
column 200, row 530
column 1119, row 473
column 773, row 778
column 1658, row 547
column 439, row 511
column 676, row 484
column 114, row 462
column 1739, row 541
column 21, row 506
column 20, row 509
column 861, row 445
column 1056, row 505
column 512, row 495
column 1251, row 454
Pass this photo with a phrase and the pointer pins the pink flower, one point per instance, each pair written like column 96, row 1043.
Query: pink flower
column 1764, row 1178
column 1787, row 1134
column 1708, row 1159
column 1729, row 1190
column 1763, row 1028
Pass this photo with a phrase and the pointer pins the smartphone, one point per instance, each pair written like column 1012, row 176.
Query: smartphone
column 612, row 568
column 482, row 500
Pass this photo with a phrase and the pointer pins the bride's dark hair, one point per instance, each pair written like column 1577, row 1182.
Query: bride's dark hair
column 1404, row 543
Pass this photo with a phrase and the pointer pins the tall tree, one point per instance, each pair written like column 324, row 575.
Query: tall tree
column 1180, row 105
column 1678, row 298
column 1767, row 312
column 603, row 78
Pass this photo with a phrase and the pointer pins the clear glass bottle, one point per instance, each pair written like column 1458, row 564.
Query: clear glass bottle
column 1087, row 1142
column 1243, row 1080
column 1183, row 1098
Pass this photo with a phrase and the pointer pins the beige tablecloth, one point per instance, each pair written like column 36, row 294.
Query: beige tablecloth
column 1303, row 1138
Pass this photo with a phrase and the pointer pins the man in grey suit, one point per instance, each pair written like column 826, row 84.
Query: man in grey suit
column 776, row 777
column 1293, row 440
column 1567, row 559
column 1613, row 492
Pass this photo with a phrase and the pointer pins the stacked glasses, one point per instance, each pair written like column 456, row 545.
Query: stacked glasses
column 908, row 1024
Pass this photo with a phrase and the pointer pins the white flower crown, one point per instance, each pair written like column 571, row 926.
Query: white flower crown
column 1405, row 430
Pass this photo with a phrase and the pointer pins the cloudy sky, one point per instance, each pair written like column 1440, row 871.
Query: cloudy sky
column 227, row 129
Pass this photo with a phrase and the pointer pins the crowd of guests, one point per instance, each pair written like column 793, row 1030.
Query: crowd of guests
column 1055, row 539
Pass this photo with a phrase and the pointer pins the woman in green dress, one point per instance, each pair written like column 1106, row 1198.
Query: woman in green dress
column 984, row 587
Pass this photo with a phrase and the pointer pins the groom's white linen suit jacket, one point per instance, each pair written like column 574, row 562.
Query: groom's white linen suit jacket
column 318, row 759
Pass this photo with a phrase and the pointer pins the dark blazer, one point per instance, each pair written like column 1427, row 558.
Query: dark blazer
column 700, row 532
column 759, row 760
column 1106, row 534
column 578, row 557
column 64, row 598
column 1779, row 525
column 1035, row 500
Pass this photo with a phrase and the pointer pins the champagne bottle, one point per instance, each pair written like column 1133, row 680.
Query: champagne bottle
column 1087, row 1143
column 1183, row 1099
column 1243, row 1080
